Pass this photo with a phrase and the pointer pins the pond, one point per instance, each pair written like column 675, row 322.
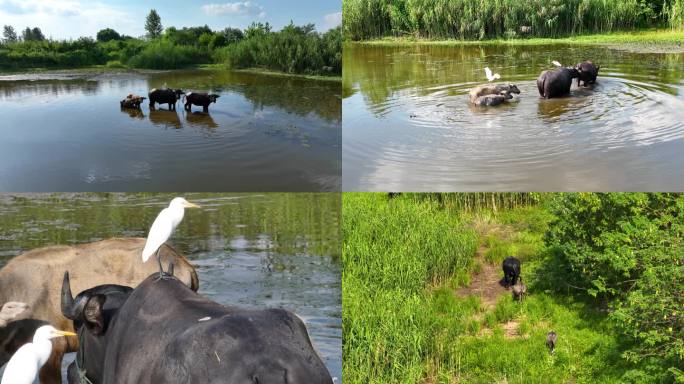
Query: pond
column 408, row 126
column 65, row 131
column 268, row 250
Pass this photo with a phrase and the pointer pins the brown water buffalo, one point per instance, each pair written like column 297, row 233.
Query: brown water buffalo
column 490, row 95
column 132, row 101
column 201, row 99
column 35, row 278
column 165, row 96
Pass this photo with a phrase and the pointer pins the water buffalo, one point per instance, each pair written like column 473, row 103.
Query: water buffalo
column 551, row 341
column 165, row 96
column 201, row 99
column 490, row 95
column 163, row 332
column 511, row 270
column 30, row 278
column 556, row 82
column 132, row 101
column 519, row 290
column 588, row 72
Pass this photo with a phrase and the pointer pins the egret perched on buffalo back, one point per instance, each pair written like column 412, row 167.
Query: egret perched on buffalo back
column 27, row 361
column 162, row 228
column 490, row 76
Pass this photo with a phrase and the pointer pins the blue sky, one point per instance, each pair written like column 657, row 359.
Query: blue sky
column 64, row 19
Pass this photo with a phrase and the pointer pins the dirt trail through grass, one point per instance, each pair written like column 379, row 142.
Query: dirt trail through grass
column 484, row 283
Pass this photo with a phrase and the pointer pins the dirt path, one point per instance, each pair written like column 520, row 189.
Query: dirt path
column 485, row 283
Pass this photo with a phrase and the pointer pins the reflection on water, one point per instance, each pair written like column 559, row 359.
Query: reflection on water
column 275, row 250
column 408, row 124
column 65, row 130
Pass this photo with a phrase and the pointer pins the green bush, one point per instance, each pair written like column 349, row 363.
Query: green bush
column 165, row 55
column 626, row 248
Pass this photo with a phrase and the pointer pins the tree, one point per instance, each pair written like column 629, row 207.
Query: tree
column 37, row 34
column 108, row 34
column 153, row 25
column 9, row 34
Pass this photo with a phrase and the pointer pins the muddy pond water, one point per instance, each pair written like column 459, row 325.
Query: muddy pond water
column 267, row 250
column 65, row 131
column 407, row 123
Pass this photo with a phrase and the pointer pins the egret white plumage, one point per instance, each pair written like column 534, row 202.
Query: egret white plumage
column 27, row 361
column 557, row 64
column 491, row 76
column 162, row 228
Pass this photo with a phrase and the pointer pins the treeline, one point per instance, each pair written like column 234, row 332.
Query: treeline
column 477, row 20
column 294, row 49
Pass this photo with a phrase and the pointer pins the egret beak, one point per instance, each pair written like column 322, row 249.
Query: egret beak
column 192, row 205
column 65, row 333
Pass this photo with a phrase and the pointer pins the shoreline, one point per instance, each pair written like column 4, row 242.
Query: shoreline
column 103, row 69
column 645, row 41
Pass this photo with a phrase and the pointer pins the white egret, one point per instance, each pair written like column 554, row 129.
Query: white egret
column 24, row 365
column 162, row 228
column 490, row 76
column 557, row 64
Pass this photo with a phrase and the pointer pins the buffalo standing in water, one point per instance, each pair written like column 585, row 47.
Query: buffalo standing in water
column 491, row 95
column 511, row 270
column 165, row 96
column 132, row 101
column 556, row 82
column 163, row 332
column 588, row 72
column 200, row 99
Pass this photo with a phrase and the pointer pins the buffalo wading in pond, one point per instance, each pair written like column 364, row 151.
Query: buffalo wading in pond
column 115, row 290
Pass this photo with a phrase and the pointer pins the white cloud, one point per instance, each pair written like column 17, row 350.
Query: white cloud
column 332, row 20
column 65, row 19
column 244, row 8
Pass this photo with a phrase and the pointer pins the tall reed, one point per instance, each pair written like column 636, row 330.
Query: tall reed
column 477, row 19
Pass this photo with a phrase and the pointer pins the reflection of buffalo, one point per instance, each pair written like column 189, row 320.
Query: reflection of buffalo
column 165, row 118
column 30, row 278
column 511, row 270
column 165, row 96
column 556, row 82
column 587, row 72
column 163, row 332
column 199, row 119
column 201, row 99
column 135, row 113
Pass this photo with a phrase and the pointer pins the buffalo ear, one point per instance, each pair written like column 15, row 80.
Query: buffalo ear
column 92, row 314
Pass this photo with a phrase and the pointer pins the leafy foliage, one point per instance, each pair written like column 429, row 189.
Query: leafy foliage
column 108, row 34
column 627, row 249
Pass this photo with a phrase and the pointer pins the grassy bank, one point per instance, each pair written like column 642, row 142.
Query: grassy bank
column 422, row 301
column 292, row 50
column 477, row 20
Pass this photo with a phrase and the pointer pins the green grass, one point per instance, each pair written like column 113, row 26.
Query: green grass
column 658, row 40
column 403, row 259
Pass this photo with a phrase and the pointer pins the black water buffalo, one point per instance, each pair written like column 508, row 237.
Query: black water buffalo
column 163, row 332
column 511, row 270
column 556, row 82
column 165, row 96
column 588, row 72
column 201, row 99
